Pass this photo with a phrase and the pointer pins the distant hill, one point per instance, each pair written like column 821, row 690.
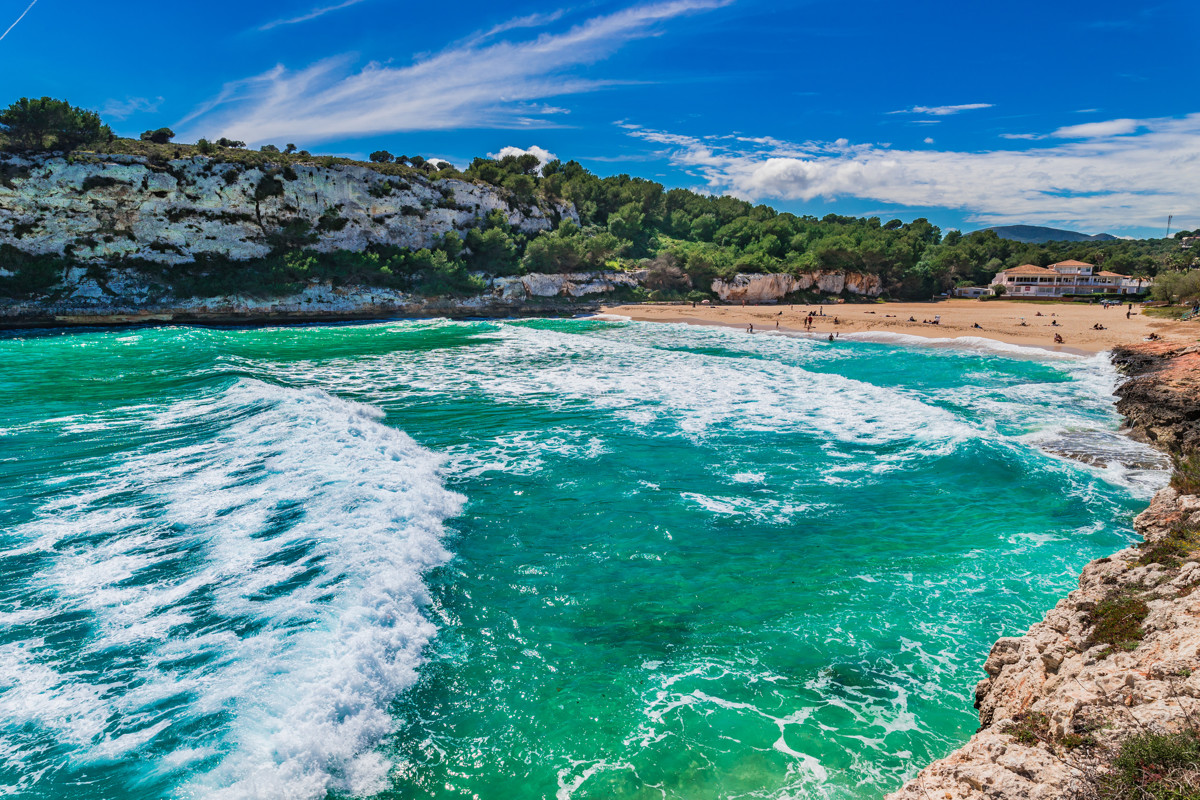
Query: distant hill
column 1032, row 234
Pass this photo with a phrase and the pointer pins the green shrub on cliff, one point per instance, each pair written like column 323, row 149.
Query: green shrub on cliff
column 1186, row 479
column 1153, row 766
column 31, row 275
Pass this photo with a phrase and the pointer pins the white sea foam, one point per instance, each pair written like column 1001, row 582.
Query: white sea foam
column 281, row 550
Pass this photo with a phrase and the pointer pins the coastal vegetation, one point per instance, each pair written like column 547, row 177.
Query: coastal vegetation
column 684, row 238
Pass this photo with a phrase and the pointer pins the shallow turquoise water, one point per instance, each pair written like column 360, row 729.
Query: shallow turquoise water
column 519, row 560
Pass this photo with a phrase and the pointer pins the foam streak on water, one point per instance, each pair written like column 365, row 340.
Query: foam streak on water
column 258, row 584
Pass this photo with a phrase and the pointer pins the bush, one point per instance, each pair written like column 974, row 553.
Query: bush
column 160, row 136
column 49, row 124
column 1154, row 766
column 268, row 186
column 98, row 182
column 1117, row 621
column 381, row 157
column 1171, row 550
column 1186, row 479
column 32, row 274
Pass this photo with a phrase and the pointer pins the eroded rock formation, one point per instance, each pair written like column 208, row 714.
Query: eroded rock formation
column 773, row 287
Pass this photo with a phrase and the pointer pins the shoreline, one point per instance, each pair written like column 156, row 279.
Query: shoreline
column 859, row 336
column 997, row 321
column 267, row 319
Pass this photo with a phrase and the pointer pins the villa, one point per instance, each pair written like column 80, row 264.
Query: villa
column 1065, row 278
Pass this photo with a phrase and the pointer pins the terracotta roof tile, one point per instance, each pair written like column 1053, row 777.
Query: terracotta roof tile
column 1029, row 269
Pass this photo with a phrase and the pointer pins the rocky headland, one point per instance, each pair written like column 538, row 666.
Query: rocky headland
column 1116, row 660
column 121, row 224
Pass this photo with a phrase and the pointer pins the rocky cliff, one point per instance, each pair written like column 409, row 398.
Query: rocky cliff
column 1118, row 657
column 1161, row 401
column 773, row 287
column 123, row 297
column 106, row 208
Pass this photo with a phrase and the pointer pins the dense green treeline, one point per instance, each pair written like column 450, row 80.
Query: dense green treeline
column 684, row 239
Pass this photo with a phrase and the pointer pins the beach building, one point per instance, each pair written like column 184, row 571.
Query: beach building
column 1064, row 278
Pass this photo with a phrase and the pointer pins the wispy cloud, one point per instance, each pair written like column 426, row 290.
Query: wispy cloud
column 1119, row 180
column 466, row 86
column 311, row 15
column 18, row 20
column 1096, row 130
column 942, row 111
column 121, row 109
column 527, row 21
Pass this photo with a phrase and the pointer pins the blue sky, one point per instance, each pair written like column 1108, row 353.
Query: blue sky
column 1072, row 114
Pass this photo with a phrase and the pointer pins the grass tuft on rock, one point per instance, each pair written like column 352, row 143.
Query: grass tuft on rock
column 1117, row 621
column 1186, row 479
column 1154, row 766
column 1173, row 549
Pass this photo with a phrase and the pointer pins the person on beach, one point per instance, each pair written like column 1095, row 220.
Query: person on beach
column 977, row 326
column 750, row 328
column 831, row 337
column 1129, row 313
column 1058, row 338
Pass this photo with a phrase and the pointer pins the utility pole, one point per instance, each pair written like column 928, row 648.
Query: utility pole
column 1169, row 218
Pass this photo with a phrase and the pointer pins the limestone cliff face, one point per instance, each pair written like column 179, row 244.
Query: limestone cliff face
column 123, row 296
column 1161, row 401
column 111, row 207
column 773, row 287
column 1056, row 703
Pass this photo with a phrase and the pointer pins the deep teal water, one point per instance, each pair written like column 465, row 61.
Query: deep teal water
column 575, row 559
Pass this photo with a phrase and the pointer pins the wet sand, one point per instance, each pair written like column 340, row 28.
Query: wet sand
column 997, row 320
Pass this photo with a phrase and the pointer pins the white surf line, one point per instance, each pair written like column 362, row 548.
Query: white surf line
column 18, row 22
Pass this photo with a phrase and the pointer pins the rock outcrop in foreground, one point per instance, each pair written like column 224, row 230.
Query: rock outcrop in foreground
column 1119, row 656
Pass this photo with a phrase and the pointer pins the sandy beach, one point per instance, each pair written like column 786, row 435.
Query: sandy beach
column 998, row 320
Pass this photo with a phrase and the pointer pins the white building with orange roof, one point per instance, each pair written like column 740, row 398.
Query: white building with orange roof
column 1064, row 278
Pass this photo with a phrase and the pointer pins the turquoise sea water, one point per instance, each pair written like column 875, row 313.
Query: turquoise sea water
column 572, row 559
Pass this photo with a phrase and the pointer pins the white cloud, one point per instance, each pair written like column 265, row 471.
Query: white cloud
column 528, row 21
column 942, row 111
column 543, row 155
column 928, row 140
column 1096, row 130
column 465, row 86
column 1115, row 181
column 311, row 15
column 120, row 109
column 1021, row 136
